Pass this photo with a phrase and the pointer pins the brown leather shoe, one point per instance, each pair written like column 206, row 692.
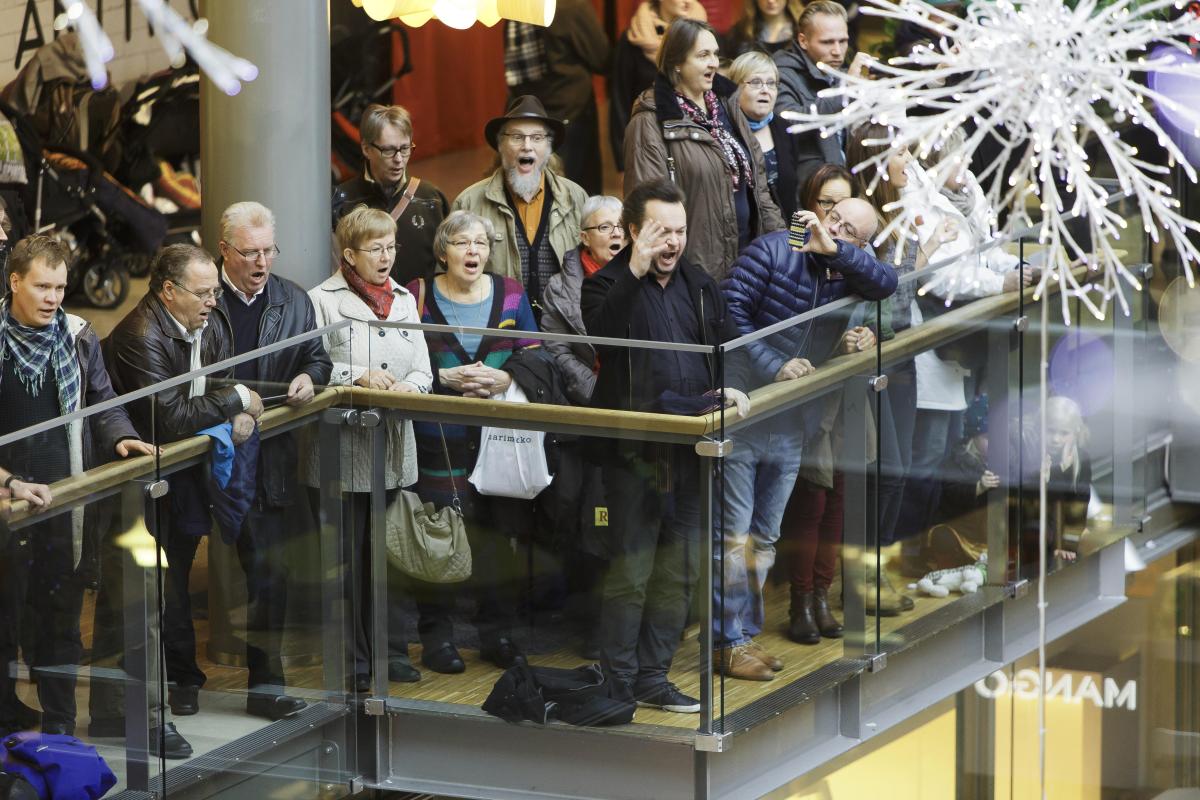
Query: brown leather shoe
column 758, row 651
column 735, row 662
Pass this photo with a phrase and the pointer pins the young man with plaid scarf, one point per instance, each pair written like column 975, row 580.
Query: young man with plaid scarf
column 50, row 366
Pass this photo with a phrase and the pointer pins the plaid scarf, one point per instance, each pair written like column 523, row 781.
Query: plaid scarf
column 378, row 298
column 524, row 53
column 34, row 350
column 735, row 155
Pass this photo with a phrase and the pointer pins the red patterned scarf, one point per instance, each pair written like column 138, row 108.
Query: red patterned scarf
column 736, row 156
column 378, row 298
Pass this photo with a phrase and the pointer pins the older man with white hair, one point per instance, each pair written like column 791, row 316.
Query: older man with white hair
column 264, row 308
column 536, row 212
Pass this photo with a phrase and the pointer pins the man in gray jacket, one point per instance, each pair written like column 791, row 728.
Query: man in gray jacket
column 821, row 38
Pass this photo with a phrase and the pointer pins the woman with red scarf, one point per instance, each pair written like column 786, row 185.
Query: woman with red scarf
column 391, row 359
column 689, row 128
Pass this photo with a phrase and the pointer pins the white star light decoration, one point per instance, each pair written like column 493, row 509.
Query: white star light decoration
column 1037, row 75
column 226, row 70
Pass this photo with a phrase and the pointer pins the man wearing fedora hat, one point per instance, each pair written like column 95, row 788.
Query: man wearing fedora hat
column 535, row 212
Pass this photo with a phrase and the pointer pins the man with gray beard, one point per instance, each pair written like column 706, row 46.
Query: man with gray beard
column 535, row 211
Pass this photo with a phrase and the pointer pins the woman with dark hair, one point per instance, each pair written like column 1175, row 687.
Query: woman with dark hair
column 828, row 186
column 765, row 26
column 634, row 60
column 758, row 78
column 688, row 128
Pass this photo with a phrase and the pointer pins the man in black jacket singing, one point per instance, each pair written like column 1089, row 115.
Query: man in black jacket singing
column 262, row 309
column 649, row 292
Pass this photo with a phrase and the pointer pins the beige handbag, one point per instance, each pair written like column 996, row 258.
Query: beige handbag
column 426, row 543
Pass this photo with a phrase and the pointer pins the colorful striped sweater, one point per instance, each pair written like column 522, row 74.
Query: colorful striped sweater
column 510, row 309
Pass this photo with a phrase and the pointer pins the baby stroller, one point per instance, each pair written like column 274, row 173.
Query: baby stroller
column 69, row 196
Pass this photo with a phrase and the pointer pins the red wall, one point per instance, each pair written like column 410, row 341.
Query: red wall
column 457, row 82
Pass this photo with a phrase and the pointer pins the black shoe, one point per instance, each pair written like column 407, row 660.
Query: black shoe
column 504, row 653
column 667, row 697
column 184, row 700
column 827, row 624
column 401, row 670
column 171, row 742
column 444, row 659
column 802, row 628
column 59, row 728
column 589, row 649
column 273, row 706
column 362, row 684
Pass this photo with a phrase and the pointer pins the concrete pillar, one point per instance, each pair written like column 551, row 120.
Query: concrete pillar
column 270, row 143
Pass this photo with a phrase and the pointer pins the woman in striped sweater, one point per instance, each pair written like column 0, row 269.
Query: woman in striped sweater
column 471, row 365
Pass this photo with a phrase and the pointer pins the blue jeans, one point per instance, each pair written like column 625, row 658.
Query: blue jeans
column 759, row 476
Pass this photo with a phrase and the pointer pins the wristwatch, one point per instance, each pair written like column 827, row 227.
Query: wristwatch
column 8, row 481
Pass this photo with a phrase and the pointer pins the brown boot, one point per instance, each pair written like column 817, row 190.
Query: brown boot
column 758, row 651
column 803, row 626
column 827, row 624
column 735, row 662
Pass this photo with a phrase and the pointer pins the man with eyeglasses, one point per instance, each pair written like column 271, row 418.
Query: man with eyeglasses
column 772, row 281
column 178, row 327
column 416, row 204
column 264, row 308
column 535, row 211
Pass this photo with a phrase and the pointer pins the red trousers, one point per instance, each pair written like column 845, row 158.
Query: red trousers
column 812, row 525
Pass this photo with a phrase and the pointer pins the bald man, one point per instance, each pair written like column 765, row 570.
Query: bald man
column 773, row 281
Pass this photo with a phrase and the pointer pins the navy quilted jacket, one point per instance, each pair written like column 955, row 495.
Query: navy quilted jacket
column 770, row 282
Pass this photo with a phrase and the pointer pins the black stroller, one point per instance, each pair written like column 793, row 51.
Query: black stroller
column 69, row 196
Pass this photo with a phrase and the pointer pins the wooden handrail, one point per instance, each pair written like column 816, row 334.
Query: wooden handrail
column 933, row 333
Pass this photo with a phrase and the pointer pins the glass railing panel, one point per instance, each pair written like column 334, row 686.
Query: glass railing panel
column 78, row 574
column 170, row 621
column 598, row 571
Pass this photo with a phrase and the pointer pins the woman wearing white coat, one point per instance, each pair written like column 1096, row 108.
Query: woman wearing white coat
column 941, row 382
column 392, row 359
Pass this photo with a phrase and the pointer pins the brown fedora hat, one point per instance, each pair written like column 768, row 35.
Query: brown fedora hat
column 525, row 107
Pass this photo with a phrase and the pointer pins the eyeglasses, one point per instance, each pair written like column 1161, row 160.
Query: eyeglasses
column 463, row 244
column 605, row 228
column 390, row 152
column 519, row 138
column 253, row 255
column 825, row 205
column 378, row 250
column 213, row 294
column 757, row 84
column 837, row 224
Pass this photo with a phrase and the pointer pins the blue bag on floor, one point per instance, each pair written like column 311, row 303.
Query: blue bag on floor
column 58, row 767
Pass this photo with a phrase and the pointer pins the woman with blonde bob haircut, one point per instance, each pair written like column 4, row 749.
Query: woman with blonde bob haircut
column 757, row 79
column 374, row 357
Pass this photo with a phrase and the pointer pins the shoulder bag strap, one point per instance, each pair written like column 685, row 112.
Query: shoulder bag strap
column 450, row 470
column 406, row 198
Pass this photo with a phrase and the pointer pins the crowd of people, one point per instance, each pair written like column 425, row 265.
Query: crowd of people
column 697, row 252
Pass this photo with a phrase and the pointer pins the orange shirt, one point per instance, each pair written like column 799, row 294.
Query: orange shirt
column 530, row 213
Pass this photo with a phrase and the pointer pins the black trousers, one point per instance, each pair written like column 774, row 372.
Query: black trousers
column 655, row 536
column 580, row 153
column 260, row 553
column 40, row 558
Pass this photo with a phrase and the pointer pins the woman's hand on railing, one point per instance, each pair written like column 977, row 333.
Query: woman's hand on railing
column 1019, row 278
column 129, row 447
column 376, row 379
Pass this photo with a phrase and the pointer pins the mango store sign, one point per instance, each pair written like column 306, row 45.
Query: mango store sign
column 1072, row 687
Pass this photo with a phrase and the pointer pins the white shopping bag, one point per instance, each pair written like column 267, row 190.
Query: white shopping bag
column 511, row 463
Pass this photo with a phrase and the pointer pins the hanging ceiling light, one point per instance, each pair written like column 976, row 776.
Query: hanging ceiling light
column 460, row 14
